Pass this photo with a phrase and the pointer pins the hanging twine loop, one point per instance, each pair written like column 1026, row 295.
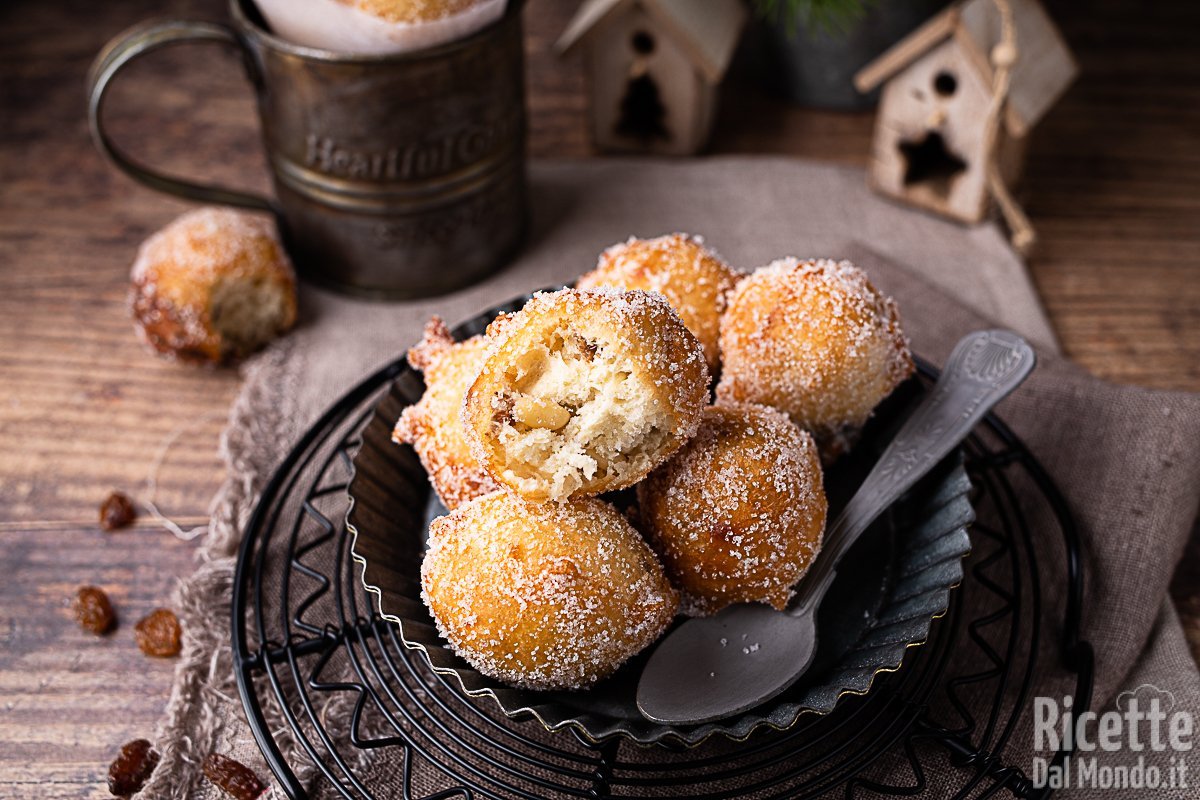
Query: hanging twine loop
column 1003, row 57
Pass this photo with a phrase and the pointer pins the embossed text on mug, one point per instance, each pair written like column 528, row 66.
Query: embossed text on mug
column 416, row 160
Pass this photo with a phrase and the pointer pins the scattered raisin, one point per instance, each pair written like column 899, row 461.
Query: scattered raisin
column 132, row 766
column 158, row 633
column 94, row 612
column 233, row 777
column 117, row 511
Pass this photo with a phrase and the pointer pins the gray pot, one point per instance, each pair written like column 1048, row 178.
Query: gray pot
column 816, row 68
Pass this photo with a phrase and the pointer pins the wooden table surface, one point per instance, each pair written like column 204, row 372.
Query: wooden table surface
column 1113, row 188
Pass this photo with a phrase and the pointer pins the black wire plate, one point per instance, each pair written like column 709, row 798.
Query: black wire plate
column 363, row 716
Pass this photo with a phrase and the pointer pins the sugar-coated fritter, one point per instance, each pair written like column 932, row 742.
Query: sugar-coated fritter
column 213, row 286
column 816, row 340
column 433, row 425
column 738, row 514
column 584, row 392
column 544, row 595
column 692, row 277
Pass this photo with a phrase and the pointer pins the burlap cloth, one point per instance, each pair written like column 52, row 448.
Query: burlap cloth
column 1125, row 457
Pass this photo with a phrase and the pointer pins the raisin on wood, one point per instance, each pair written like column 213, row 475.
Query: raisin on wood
column 94, row 612
column 117, row 511
column 158, row 634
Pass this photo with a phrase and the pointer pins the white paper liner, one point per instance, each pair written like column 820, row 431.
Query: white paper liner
column 332, row 25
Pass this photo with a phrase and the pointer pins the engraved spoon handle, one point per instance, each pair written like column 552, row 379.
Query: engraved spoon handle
column 983, row 369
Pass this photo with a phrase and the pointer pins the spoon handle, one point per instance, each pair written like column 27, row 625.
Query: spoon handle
column 983, row 369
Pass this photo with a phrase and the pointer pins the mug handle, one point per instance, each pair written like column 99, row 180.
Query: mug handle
column 139, row 40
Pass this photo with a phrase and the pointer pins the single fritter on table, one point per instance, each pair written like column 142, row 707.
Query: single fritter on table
column 585, row 392
column 213, row 286
column 816, row 340
column 692, row 277
column 434, row 426
column 544, row 595
column 738, row 514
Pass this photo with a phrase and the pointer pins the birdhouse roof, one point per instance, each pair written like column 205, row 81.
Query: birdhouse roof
column 707, row 32
column 1043, row 70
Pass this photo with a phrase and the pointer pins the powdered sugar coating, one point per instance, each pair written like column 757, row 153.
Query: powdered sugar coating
column 738, row 514
column 182, row 269
column 433, row 425
column 412, row 11
column 692, row 277
column 634, row 332
column 816, row 340
column 544, row 596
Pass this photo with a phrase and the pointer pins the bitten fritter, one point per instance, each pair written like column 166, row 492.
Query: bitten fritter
column 692, row 277
column 212, row 286
column 433, row 425
column 585, row 392
column 738, row 514
column 816, row 340
column 544, row 595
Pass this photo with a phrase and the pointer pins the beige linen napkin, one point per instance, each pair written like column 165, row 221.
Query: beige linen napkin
column 1123, row 456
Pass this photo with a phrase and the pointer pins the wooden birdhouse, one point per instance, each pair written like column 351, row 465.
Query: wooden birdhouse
column 653, row 68
column 963, row 92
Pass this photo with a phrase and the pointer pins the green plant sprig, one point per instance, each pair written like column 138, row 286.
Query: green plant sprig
column 830, row 16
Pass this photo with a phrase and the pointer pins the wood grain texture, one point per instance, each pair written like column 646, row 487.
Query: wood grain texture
column 1113, row 186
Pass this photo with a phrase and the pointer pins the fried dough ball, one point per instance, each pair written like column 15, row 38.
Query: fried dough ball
column 544, row 595
column 738, row 514
column 433, row 425
column 413, row 11
column 585, row 392
column 692, row 277
column 817, row 341
column 212, row 286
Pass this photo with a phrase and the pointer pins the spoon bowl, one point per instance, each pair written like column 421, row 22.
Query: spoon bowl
column 762, row 664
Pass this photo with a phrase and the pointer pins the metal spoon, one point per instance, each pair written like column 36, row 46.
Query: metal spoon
column 718, row 666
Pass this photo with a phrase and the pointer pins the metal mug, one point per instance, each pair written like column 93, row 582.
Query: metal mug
column 395, row 176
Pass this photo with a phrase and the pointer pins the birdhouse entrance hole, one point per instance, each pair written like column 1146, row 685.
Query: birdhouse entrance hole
column 642, row 43
column 929, row 162
column 945, row 84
